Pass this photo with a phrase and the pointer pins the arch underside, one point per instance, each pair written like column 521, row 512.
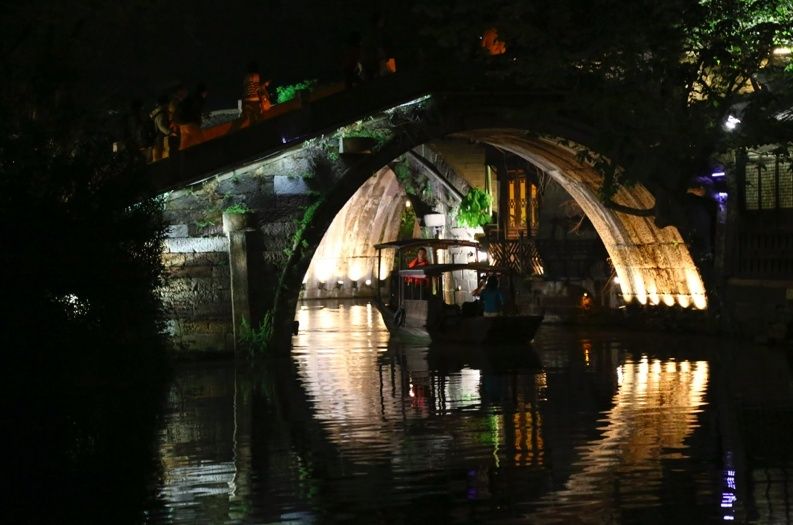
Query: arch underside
column 347, row 253
column 653, row 264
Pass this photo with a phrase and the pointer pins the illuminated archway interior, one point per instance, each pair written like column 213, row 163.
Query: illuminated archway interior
column 346, row 257
column 653, row 264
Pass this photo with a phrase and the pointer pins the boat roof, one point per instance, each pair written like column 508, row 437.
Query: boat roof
column 437, row 269
column 434, row 243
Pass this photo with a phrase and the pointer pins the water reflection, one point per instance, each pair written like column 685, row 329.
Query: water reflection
column 589, row 429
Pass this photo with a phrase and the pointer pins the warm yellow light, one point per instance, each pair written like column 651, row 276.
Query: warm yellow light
column 700, row 302
column 654, row 298
column 782, row 51
column 324, row 269
column 407, row 204
column 355, row 270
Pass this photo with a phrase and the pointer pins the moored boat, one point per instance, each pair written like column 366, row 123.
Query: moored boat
column 415, row 308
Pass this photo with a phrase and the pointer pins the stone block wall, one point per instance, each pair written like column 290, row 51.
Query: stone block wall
column 197, row 295
column 468, row 160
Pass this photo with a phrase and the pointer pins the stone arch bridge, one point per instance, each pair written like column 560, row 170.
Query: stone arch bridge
column 293, row 174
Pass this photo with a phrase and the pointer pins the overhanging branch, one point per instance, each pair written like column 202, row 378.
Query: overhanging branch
column 638, row 212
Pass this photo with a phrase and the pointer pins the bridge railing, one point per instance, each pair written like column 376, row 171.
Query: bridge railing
column 232, row 144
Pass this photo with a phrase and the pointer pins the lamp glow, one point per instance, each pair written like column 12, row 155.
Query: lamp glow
column 731, row 123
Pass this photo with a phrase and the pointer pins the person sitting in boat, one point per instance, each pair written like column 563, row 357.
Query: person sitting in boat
column 418, row 285
column 490, row 297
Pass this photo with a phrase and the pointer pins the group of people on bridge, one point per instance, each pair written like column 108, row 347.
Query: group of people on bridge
column 176, row 121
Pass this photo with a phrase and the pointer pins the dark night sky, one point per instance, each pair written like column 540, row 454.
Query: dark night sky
column 137, row 48
column 291, row 41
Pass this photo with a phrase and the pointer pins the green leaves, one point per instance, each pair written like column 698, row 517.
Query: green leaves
column 289, row 92
column 238, row 209
column 474, row 209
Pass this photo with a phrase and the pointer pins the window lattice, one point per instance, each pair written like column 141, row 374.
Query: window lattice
column 768, row 184
column 752, row 190
column 785, row 185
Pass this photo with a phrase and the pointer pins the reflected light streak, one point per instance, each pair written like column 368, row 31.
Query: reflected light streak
column 654, row 411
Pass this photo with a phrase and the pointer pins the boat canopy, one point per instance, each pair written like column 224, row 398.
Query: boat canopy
column 438, row 269
column 432, row 243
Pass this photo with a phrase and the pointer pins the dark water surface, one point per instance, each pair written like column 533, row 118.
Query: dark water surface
column 581, row 427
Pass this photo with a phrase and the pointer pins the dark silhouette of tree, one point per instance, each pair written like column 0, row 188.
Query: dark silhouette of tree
column 656, row 80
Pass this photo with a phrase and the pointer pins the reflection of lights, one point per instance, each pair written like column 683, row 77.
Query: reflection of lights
column 644, row 370
column 462, row 391
column 368, row 282
column 726, row 502
column 656, row 371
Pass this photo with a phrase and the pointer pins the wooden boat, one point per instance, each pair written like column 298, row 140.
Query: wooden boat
column 428, row 317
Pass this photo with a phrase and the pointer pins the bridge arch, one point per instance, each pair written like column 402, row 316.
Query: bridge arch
column 653, row 264
column 266, row 167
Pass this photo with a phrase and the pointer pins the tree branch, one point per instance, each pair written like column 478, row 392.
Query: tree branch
column 637, row 212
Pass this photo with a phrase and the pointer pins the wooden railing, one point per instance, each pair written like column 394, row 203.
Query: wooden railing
column 518, row 256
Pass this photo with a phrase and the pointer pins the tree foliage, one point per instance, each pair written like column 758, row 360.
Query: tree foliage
column 474, row 209
column 655, row 80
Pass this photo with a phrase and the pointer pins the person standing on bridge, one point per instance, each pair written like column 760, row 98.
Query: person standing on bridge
column 255, row 99
column 159, row 120
column 351, row 61
column 188, row 117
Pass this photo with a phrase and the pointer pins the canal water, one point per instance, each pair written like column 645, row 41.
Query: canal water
column 580, row 427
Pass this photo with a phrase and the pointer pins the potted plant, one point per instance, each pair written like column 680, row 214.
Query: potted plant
column 235, row 217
